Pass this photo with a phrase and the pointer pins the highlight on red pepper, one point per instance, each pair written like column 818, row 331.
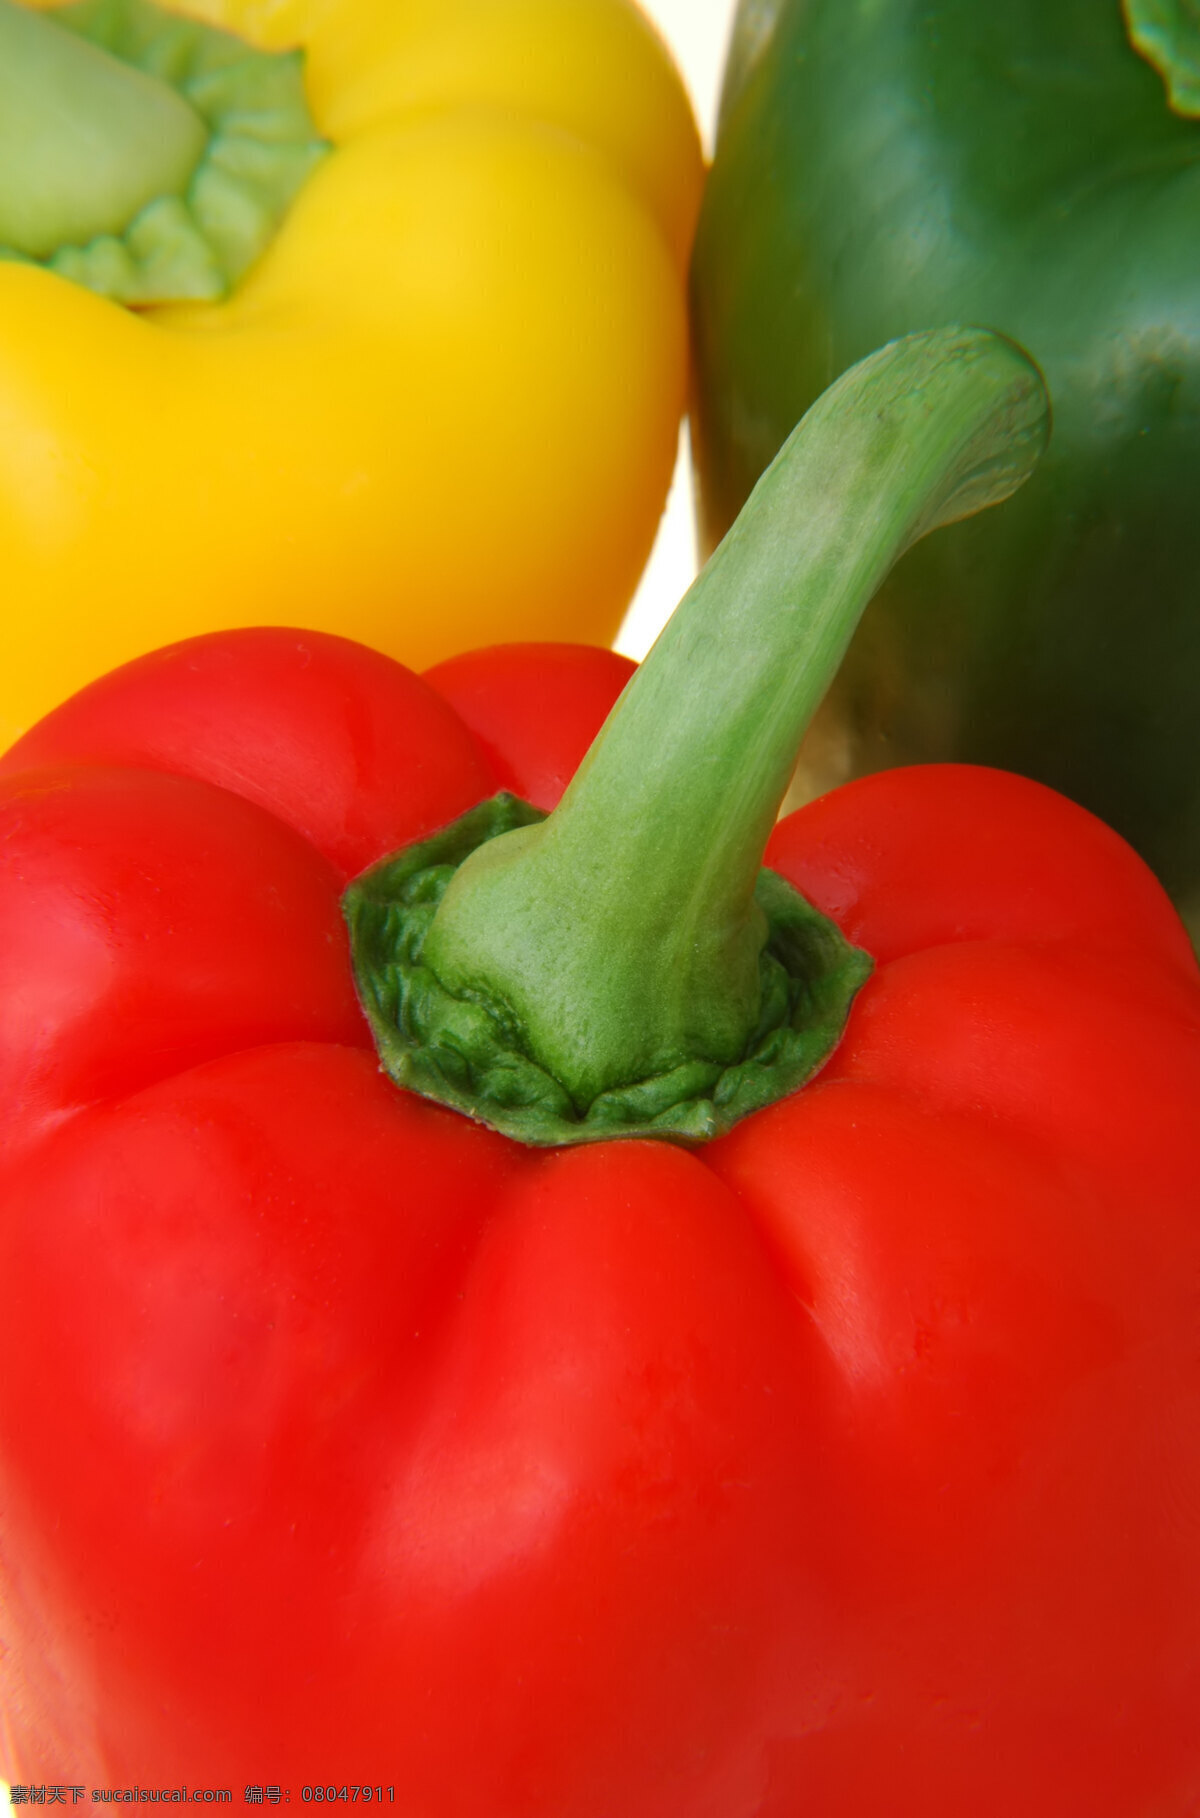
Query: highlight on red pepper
column 353, row 316
column 846, row 1464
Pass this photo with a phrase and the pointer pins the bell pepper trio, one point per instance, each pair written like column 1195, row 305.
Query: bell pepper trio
column 537, row 1289
column 408, row 356
column 551, row 1458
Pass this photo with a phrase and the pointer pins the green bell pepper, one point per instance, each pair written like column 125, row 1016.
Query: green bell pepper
column 1034, row 167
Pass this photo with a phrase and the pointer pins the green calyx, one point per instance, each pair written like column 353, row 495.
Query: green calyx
column 1167, row 34
column 467, row 1052
column 143, row 155
column 625, row 966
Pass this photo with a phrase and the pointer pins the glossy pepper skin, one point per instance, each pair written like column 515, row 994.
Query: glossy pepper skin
column 443, row 404
column 885, row 168
column 847, row 1464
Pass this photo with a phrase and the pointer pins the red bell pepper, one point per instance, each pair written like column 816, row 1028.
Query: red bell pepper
column 845, row 1466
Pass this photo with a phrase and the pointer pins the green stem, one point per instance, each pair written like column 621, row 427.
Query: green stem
column 86, row 141
column 622, row 940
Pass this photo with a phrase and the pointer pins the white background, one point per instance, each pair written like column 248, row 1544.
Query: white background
column 696, row 31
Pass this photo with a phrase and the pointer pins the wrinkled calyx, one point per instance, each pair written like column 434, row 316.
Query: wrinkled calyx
column 148, row 157
column 468, row 1049
column 625, row 966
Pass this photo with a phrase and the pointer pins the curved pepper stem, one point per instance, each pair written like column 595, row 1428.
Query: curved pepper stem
column 622, row 940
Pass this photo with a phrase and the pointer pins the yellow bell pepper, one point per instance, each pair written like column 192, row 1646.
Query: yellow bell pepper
column 440, row 407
